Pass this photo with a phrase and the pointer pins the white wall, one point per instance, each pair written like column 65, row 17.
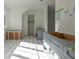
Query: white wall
column 45, row 11
column 6, row 15
column 14, row 21
column 25, row 23
column 67, row 23
column 40, row 20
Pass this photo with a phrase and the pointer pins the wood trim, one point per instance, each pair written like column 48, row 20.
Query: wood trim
column 64, row 36
column 69, row 37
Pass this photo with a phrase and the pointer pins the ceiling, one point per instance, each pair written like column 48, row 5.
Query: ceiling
column 30, row 4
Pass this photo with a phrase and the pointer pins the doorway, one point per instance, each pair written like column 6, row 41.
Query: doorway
column 31, row 25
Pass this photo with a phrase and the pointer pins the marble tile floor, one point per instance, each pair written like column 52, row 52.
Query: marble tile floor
column 27, row 48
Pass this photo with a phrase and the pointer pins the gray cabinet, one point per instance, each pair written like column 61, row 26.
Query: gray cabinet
column 40, row 35
column 51, row 19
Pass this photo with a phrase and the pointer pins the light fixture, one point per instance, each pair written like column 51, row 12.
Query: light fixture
column 41, row 0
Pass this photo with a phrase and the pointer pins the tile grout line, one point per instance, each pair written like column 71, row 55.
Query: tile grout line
column 36, row 41
column 37, row 49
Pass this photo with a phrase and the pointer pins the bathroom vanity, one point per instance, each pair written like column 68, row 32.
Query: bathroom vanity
column 58, row 48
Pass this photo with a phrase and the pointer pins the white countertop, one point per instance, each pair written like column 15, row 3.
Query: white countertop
column 13, row 30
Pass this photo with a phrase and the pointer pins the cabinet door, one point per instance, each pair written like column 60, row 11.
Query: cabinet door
column 20, row 35
column 6, row 35
column 11, row 35
column 16, row 35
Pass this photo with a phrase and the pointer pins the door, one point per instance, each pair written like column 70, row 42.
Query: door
column 51, row 19
column 30, row 24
